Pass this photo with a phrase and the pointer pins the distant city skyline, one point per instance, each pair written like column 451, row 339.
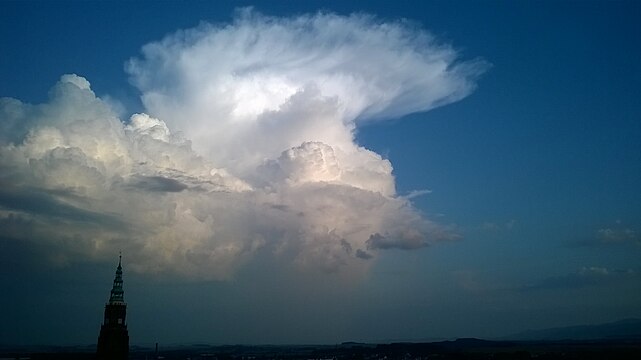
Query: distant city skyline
column 318, row 172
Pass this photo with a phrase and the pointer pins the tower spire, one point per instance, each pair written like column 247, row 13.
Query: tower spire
column 117, row 293
column 113, row 342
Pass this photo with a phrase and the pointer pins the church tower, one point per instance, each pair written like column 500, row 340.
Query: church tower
column 113, row 343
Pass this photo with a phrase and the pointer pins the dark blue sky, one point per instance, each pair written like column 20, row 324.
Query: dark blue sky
column 537, row 171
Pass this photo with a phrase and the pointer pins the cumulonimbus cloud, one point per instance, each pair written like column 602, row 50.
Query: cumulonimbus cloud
column 247, row 149
column 245, row 91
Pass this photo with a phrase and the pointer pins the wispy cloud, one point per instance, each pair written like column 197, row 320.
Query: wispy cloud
column 490, row 226
column 617, row 234
column 583, row 277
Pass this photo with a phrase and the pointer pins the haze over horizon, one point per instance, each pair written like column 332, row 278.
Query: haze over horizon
column 318, row 172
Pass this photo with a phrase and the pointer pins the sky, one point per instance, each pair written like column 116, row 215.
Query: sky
column 292, row 172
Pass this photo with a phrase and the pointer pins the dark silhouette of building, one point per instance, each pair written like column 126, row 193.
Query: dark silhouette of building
column 113, row 342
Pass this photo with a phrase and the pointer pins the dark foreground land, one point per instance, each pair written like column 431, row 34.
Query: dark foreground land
column 473, row 349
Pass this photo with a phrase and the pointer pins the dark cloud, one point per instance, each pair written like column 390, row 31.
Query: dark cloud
column 50, row 204
column 346, row 246
column 411, row 238
column 159, row 183
column 363, row 254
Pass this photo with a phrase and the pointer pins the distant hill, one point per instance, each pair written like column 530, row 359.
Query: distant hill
column 623, row 329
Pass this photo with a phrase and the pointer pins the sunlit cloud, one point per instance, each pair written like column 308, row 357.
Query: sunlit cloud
column 244, row 92
column 247, row 149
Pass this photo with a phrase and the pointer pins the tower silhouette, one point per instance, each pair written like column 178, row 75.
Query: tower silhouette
column 113, row 342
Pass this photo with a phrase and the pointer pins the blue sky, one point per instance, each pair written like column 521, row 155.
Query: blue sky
column 532, row 219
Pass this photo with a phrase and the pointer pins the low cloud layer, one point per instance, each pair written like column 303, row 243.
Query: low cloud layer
column 584, row 277
column 248, row 150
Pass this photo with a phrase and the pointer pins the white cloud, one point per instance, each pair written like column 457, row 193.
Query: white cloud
column 271, row 105
column 245, row 91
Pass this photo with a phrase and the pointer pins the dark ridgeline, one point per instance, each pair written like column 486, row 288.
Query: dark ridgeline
column 113, row 342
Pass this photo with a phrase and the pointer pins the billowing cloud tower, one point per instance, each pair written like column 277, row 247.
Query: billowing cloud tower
column 247, row 149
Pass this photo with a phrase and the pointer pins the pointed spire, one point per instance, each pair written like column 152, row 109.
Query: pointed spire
column 117, row 294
